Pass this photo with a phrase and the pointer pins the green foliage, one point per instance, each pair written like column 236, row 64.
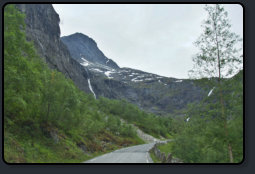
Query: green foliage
column 166, row 148
column 202, row 139
column 210, row 135
column 149, row 123
column 220, row 51
column 46, row 117
column 154, row 158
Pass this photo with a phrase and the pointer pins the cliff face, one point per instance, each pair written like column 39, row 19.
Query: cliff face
column 149, row 91
column 80, row 59
column 42, row 28
column 82, row 46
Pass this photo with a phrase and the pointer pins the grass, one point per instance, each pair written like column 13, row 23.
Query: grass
column 41, row 149
column 154, row 158
column 166, row 148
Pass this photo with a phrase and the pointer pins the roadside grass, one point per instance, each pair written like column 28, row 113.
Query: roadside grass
column 24, row 149
column 165, row 148
column 154, row 158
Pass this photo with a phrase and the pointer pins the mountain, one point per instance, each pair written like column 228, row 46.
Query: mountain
column 149, row 91
column 78, row 57
column 42, row 28
column 47, row 119
column 82, row 46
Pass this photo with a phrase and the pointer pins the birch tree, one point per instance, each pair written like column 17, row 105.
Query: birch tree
column 219, row 56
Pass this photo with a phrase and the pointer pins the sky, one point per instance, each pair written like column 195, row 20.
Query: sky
column 156, row 38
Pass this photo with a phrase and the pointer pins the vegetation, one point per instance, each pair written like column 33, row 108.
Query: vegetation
column 154, row 158
column 149, row 123
column 48, row 119
column 164, row 148
column 219, row 49
column 219, row 57
column 203, row 138
column 215, row 130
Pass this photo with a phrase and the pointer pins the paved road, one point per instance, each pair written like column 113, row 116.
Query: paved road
column 133, row 154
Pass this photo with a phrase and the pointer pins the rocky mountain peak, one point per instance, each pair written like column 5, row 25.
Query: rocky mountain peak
column 83, row 47
column 79, row 58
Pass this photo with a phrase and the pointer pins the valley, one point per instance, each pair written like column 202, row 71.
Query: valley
column 66, row 102
column 151, row 92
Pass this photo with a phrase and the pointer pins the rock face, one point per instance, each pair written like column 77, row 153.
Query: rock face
column 82, row 46
column 42, row 27
column 150, row 92
column 78, row 57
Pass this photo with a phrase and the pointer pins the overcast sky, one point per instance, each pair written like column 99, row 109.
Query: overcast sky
column 156, row 38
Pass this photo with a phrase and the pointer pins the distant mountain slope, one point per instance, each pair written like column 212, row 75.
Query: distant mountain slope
column 151, row 92
column 81, row 46
column 78, row 57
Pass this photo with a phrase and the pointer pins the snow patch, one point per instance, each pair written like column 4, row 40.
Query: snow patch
column 136, row 80
column 85, row 62
column 178, row 81
column 90, row 87
column 142, row 76
column 107, row 61
column 159, row 77
column 148, row 79
column 210, row 92
column 107, row 73
column 95, row 69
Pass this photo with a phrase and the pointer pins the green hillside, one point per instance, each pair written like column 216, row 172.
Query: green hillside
column 203, row 139
column 48, row 119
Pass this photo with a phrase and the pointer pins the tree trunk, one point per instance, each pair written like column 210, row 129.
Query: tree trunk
column 230, row 153
column 221, row 96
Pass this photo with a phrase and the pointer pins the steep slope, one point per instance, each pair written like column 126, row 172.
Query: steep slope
column 47, row 119
column 82, row 61
column 42, row 27
column 81, row 46
column 149, row 91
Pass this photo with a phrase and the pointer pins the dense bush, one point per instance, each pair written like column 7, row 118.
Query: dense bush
column 149, row 123
column 204, row 138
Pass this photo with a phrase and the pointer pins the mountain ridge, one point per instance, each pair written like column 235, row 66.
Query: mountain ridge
column 82, row 46
column 146, row 90
column 89, row 71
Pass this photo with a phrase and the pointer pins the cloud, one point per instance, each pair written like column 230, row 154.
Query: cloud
column 156, row 38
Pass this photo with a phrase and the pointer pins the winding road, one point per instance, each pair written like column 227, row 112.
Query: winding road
column 133, row 154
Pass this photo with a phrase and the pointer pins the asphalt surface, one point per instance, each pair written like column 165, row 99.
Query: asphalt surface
column 133, row 154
